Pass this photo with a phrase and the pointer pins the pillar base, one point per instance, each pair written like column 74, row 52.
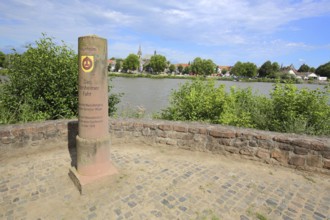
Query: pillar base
column 86, row 184
column 94, row 167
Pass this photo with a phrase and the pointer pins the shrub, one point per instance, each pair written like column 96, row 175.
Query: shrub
column 196, row 101
column 42, row 84
column 244, row 109
column 287, row 110
column 300, row 111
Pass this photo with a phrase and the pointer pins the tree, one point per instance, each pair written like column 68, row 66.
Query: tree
column 158, row 63
column 268, row 68
column 43, row 84
column 276, row 67
column 131, row 62
column 304, row 68
column 186, row 70
column 2, row 59
column 244, row 69
column 180, row 68
column 312, row 69
column 172, row 68
column 202, row 67
column 119, row 64
column 224, row 71
column 323, row 70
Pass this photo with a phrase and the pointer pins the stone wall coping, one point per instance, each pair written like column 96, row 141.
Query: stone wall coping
column 292, row 150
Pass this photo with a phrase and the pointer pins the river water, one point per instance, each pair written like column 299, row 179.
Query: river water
column 153, row 94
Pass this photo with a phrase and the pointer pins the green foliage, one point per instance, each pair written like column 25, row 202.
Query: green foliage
column 172, row 68
column 196, row 101
column 304, row 68
column 260, row 216
column 300, row 111
column 244, row 109
column 288, row 109
column 131, row 62
column 42, row 84
column 202, row 67
column 119, row 65
column 187, row 70
column 244, row 69
column 224, row 71
column 158, row 63
column 180, row 68
column 113, row 100
column 284, row 77
column 268, row 68
column 3, row 72
column 2, row 59
column 323, row 70
column 130, row 111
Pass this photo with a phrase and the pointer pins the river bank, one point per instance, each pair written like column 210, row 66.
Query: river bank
column 192, row 77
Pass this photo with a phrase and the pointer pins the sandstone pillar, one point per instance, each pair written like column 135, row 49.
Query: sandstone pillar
column 93, row 140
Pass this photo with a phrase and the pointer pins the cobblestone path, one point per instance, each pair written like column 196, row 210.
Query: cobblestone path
column 161, row 183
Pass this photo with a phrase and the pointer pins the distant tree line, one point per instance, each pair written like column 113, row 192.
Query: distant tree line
column 204, row 67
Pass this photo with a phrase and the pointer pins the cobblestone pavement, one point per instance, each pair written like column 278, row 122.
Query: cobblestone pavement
column 161, row 183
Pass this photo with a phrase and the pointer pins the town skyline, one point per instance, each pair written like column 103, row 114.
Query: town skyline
column 287, row 32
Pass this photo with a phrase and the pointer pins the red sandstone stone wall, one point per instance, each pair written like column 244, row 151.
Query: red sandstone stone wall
column 296, row 151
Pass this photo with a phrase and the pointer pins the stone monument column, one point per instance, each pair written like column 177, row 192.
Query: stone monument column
column 93, row 140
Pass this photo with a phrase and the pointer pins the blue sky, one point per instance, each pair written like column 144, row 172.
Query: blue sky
column 226, row 31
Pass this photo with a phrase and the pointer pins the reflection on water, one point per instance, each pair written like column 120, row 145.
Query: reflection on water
column 152, row 94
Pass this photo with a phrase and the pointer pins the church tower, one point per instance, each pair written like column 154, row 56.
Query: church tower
column 139, row 53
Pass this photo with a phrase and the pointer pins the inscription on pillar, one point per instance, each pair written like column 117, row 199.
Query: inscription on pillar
column 93, row 87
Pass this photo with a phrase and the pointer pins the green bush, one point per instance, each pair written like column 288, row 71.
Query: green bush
column 244, row 109
column 196, row 101
column 300, row 111
column 287, row 110
column 43, row 84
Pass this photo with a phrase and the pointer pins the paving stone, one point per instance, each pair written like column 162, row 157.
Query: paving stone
column 155, row 184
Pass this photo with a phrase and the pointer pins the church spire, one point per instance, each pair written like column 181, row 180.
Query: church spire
column 139, row 53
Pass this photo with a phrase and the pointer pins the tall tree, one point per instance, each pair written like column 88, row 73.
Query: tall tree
column 276, row 67
column 2, row 59
column 119, row 64
column 304, row 68
column 268, row 68
column 202, row 67
column 131, row 62
column 172, row 68
column 187, row 70
column 244, row 69
column 323, row 70
column 180, row 68
column 158, row 63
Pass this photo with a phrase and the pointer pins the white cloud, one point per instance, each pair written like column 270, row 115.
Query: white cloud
column 245, row 27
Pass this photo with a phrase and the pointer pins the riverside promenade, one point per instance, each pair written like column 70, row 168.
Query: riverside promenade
column 160, row 182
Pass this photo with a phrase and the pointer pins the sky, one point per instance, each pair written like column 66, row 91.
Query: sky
column 285, row 31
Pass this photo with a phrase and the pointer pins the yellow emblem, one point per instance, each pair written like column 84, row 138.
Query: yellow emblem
column 87, row 63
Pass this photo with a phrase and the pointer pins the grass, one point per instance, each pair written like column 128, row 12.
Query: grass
column 250, row 212
column 309, row 178
column 129, row 111
column 260, row 216
column 207, row 215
